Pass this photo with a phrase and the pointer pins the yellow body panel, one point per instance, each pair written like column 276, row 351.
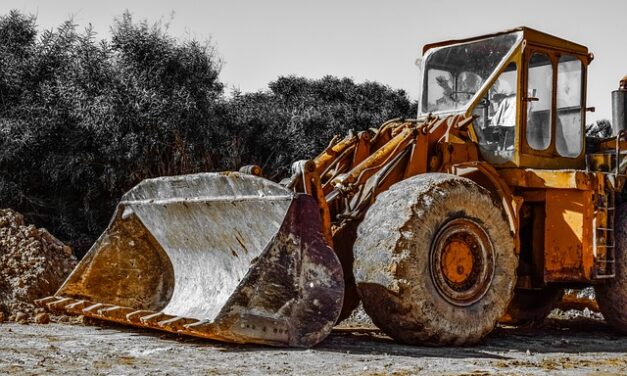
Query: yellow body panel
column 568, row 250
column 561, row 179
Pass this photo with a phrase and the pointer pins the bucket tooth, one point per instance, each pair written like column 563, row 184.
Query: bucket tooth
column 154, row 319
column 94, row 308
column 116, row 313
column 44, row 301
column 176, row 323
column 199, row 325
column 135, row 316
column 102, row 311
column 77, row 306
column 59, row 304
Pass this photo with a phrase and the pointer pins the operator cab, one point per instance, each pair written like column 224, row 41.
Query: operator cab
column 525, row 88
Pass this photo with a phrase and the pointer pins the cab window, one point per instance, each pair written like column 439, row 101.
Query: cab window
column 539, row 95
column 454, row 74
column 568, row 137
column 451, row 91
column 495, row 123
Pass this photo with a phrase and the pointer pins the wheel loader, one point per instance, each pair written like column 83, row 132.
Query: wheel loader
column 482, row 209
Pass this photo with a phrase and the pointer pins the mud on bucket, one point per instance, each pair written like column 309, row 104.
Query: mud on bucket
column 225, row 256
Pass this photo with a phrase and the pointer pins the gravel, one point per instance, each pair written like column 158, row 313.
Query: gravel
column 557, row 347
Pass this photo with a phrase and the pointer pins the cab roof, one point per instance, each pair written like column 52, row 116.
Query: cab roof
column 532, row 36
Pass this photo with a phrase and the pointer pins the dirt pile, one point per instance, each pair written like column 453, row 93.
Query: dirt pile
column 33, row 265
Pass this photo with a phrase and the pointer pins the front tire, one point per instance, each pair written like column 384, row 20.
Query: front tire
column 435, row 261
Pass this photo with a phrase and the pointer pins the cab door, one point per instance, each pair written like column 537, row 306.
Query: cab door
column 553, row 110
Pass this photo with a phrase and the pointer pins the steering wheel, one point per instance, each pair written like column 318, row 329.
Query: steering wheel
column 453, row 95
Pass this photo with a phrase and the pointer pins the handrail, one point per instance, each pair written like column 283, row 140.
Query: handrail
column 621, row 134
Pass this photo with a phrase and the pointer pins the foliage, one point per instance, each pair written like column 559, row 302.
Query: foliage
column 83, row 120
column 298, row 117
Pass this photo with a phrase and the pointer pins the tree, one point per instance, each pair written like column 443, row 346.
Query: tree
column 84, row 120
column 298, row 117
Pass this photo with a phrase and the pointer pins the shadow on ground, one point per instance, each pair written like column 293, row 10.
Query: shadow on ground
column 578, row 336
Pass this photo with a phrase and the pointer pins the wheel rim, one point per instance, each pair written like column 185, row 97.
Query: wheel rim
column 462, row 262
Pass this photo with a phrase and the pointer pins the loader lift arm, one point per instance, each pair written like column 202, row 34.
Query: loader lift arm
column 348, row 175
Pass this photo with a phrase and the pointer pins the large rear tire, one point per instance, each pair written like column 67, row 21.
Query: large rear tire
column 612, row 295
column 435, row 261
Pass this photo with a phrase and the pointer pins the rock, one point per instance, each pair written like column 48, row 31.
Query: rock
column 586, row 313
column 63, row 318
column 21, row 317
column 42, row 318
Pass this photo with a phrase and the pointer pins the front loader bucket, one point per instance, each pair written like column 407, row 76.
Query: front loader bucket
column 224, row 256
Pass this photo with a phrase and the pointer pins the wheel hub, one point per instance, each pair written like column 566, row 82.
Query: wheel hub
column 462, row 262
column 457, row 261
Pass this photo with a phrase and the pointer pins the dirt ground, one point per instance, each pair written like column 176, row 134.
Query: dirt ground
column 580, row 346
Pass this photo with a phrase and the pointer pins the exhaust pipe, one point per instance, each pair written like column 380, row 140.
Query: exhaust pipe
column 619, row 107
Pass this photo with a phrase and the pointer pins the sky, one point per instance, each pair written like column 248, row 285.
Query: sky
column 363, row 39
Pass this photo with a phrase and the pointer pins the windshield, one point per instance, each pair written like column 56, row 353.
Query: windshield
column 454, row 74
